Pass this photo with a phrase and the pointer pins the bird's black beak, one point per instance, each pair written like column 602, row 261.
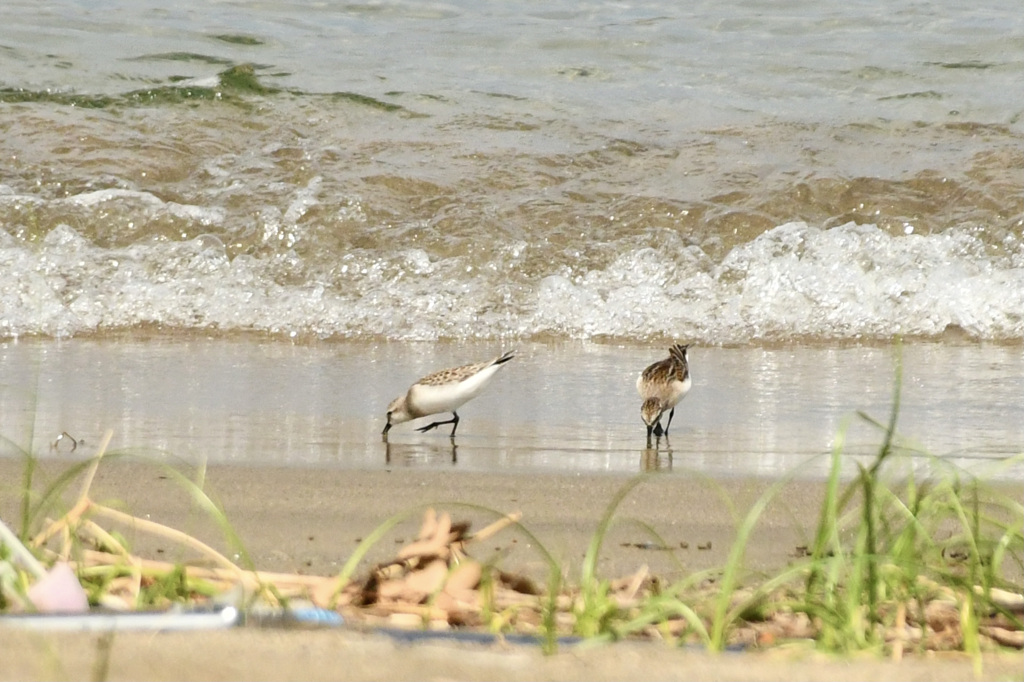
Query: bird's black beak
column 387, row 427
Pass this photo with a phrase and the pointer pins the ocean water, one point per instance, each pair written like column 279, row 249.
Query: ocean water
column 719, row 173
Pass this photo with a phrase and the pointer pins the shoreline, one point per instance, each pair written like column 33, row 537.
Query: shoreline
column 152, row 332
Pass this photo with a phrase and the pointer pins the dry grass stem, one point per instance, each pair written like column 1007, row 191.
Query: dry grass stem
column 170, row 534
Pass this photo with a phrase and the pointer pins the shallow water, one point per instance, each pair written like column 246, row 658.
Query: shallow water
column 762, row 411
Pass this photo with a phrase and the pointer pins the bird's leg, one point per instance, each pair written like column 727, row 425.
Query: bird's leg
column 671, row 414
column 454, row 421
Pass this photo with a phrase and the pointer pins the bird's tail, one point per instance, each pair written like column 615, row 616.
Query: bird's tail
column 505, row 358
column 678, row 351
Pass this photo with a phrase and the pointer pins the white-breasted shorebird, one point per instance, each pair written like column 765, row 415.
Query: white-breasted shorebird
column 661, row 386
column 443, row 391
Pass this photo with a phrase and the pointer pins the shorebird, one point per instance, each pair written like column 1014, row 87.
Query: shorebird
column 662, row 385
column 443, row 391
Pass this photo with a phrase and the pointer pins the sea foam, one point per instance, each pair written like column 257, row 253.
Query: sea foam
column 793, row 281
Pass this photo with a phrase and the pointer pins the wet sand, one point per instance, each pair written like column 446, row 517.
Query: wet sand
column 304, row 520
column 309, row 520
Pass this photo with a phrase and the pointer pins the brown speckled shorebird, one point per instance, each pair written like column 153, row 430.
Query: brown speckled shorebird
column 662, row 385
column 443, row 391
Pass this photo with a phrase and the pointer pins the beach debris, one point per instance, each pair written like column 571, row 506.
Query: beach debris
column 433, row 578
column 657, row 546
column 64, row 443
column 19, row 552
column 59, row 591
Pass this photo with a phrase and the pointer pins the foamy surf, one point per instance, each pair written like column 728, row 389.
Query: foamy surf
column 847, row 282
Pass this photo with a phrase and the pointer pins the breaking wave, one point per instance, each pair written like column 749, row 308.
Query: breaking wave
column 793, row 281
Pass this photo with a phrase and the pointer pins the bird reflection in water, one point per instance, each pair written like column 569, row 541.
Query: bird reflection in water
column 656, row 458
column 413, row 454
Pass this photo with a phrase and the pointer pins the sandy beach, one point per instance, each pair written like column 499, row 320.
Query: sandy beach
column 303, row 520
column 308, row 521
